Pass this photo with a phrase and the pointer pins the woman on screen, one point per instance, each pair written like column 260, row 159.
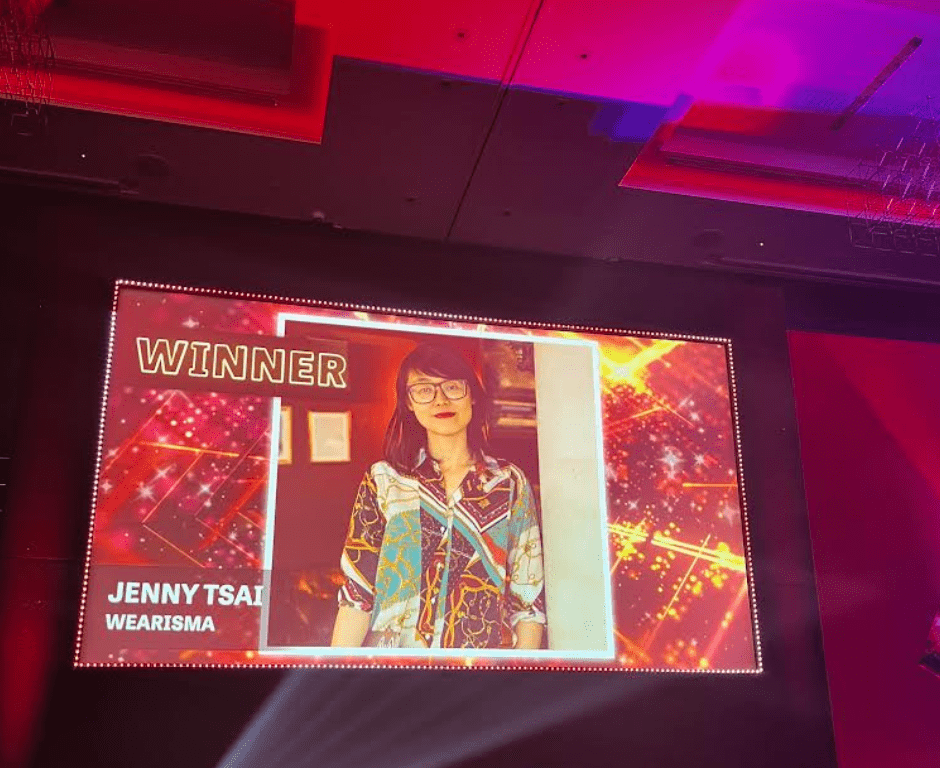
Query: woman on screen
column 444, row 548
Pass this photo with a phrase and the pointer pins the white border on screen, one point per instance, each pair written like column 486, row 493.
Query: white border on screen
column 609, row 654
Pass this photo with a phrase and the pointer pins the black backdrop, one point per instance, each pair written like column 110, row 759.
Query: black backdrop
column 66, row 250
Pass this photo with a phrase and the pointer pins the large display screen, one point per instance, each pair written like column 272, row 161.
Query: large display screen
column 298, row 483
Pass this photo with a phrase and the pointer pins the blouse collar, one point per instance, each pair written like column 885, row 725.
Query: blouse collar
column 428, row 468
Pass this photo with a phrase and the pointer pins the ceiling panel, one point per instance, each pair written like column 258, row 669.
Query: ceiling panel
column 397, row 151
column 640, row 51
column 399, row 148
column 546, row 181
column 258, row 66
column 474, row 39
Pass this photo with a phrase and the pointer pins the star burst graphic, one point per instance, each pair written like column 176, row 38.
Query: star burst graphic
column 186, row 487
column 681, row 593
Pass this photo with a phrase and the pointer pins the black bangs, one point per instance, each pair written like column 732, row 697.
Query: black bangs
column 404, row 436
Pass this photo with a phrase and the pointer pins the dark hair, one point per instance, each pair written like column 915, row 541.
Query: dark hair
column 405, row 437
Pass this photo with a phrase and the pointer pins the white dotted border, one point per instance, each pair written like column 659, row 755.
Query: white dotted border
column 433, row 663
column 94, row 496
column 348, row 306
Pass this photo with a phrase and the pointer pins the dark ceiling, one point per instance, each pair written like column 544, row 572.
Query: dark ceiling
column 533, row 126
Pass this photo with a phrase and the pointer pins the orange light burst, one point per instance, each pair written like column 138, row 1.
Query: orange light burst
column 627, row 365
column 721, row 555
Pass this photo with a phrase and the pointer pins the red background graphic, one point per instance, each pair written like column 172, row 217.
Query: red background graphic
column 183, row 484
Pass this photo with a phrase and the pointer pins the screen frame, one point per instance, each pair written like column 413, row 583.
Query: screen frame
column 421, row 314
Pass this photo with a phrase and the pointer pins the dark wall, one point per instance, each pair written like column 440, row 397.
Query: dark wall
column 68, row 250
column 870, row 430
column 863, row 310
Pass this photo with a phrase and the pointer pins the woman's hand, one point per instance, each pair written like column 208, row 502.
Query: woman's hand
column 351, row 627
column 528, row 635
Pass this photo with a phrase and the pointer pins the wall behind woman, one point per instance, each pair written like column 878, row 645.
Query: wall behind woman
column 70, row 248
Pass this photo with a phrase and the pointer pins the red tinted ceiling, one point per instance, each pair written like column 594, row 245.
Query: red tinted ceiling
column 809, row 106
column 101, row 69
column 735, row 99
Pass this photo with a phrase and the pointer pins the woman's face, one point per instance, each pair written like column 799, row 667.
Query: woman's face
column 447, row 413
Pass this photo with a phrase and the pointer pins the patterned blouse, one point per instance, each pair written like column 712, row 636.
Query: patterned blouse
column 444, row 573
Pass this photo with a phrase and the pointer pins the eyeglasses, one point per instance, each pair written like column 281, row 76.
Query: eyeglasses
column 425, row 392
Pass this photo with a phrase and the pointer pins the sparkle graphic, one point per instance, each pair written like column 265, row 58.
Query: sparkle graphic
column 729, row 513
column 671, row 459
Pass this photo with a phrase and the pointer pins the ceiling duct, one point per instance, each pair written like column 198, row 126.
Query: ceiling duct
column 880, row 79
column 26, row 62
column 60, row 181
column 237, row 50
column 901, row 211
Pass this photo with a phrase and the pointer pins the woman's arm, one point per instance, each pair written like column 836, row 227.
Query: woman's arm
column 526, row 580
column 528, row 635
column 358, row 564
column 350, row 628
